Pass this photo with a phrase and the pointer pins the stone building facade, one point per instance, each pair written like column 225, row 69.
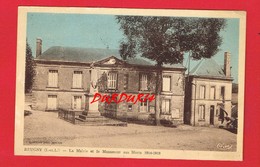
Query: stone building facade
column 68, row 78
column 208, row 93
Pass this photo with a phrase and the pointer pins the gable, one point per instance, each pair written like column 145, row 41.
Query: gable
column 112, row 60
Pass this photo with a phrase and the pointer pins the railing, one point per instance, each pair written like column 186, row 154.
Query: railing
column 68, row 115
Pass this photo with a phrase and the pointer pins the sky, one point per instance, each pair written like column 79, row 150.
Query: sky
column 102, row 31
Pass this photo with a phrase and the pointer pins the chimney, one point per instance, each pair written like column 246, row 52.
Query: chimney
column 227, row 66
column 38, row 47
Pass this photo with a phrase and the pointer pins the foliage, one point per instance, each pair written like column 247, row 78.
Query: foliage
column 166, row 39
column 29, row 69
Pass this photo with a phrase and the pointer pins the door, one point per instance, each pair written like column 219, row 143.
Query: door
column 77, row 102
column 212, row 108
column 144, row 106
column 52, row 102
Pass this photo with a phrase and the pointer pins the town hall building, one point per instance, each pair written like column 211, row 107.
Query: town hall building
column 67, row 79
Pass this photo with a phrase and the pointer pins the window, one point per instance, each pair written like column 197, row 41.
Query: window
column 202, row 112
column 202, row 92
column 212, row 92
column 76, row 103
column 152, row 109
column 143, row 82
column 130, row 107
column 52, row 102
column 77, row 79
column 53, row 78
column 222, row 93
column 126, row 76
column 112, row 81
column 166, row 106
column 166, row 83
column 144, row 106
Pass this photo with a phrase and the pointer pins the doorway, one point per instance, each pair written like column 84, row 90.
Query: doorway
column 212, row 108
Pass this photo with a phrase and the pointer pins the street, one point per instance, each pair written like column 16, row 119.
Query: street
column 45, row 128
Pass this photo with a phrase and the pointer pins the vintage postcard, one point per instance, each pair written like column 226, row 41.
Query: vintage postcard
column 130, row 83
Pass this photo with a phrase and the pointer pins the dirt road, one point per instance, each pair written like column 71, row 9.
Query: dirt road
column 45, row 128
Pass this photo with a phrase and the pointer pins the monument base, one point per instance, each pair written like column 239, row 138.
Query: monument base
column 93, row 113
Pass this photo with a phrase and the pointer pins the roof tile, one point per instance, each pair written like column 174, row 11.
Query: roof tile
column 90, row 55
column 208, row 67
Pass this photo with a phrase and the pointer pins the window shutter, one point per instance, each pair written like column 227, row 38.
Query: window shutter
column 72, row 102
column 78, row 102
column 202, row 92
column 80, row 80
column 166, row 83
column 149, row 81
column 126, row 81
column 55, row 78
column 116, row 80
column 140, row 75
column 163, row 106
column 49, row 78
column 145, row 82
column 74, row 80
column 167, row 106
column 212, row 92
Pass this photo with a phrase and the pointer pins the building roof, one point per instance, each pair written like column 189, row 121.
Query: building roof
column 89, row 55
column 208, row 68
column 76, row 54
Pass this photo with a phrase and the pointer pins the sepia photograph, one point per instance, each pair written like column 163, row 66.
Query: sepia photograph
column 130, row 83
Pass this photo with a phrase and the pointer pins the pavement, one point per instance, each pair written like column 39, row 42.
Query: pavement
column 45, row 128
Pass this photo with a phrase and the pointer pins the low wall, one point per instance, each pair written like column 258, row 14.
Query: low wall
column 68, row 115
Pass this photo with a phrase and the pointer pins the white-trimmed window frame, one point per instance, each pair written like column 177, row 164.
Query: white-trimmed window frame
column 201, row 112
column 212, row 97
column 53, row 78
column 143, row 82
column 144, row 106
column 112, row 80
column 164, row 106
column 76, row 102
column 168, row 88
column 77, row 79
column 202, row 95
column 52, row 102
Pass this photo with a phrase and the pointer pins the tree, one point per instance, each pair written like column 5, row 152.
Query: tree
column 29, row 69
column 165, row 40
